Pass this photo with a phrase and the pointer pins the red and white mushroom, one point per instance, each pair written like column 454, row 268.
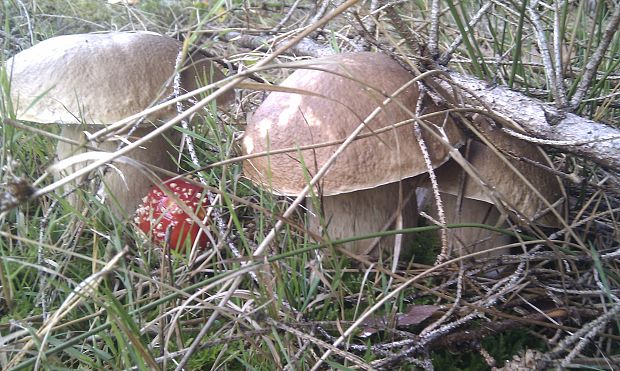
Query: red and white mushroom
column 158, row 212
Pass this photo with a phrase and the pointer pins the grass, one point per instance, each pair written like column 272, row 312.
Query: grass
column 82, row 288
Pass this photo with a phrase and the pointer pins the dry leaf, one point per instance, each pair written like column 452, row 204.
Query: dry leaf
column 415, row 314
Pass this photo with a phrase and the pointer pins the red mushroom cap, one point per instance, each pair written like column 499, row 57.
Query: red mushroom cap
column 158, row 212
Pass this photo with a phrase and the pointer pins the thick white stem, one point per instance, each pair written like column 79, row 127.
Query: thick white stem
column 368, row 211
column 125, row 184
column 469, row 240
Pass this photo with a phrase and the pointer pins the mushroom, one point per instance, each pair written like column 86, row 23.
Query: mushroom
column 361, row 193
column 159, row 212
column 477, row 205
column 85, row 82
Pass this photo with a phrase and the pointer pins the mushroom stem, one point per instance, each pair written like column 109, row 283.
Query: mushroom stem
column 364, row 212
column 468, row 240
column 124, row 185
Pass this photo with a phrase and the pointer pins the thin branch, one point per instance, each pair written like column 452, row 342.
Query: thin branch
column 319, row 13
column 433, row 33
column 305, row 47
column 404, row 31
column 286, row 17
column 29, row 22
column 225, row 235
column 344, row 354
column 539, row 120
column 561, row 99
column 445, row 57
column 443, row 255
column 595, row 61
column 543, row 47
column 583, row 335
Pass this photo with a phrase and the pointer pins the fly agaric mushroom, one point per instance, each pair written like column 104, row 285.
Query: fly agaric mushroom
column 85, row 82
column 477, row 205
column 159, row 212
column 360, row 192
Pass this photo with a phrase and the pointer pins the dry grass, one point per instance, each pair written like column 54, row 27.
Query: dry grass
column 81, row 289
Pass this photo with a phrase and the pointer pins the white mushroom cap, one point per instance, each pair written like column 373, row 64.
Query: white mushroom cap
column 288, row 120
column 94, row 78
column 98, row 79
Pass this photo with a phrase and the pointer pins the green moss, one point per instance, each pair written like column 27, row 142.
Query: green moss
column 501, row 347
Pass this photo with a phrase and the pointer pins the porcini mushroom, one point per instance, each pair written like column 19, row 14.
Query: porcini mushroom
column 85, row 82
column 360, row 192
column 508, row 187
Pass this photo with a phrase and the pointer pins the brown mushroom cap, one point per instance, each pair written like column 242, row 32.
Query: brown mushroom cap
column 94, row 78
column 288, row 120
column 495, row 173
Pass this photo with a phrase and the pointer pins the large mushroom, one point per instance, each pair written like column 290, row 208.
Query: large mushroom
column 85, row 82
column 361, row 193
column 502, row 184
